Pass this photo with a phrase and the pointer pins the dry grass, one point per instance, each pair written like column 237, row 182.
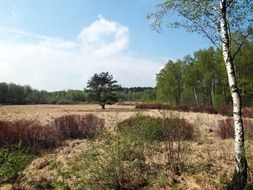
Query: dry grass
column 210, row 161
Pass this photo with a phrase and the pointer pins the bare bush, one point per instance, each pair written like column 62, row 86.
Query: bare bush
column 77, row 126
column 37, row 137
column 157, row 106
column 209, row 110
column 183, row 107
column 225, row 110
column 29, row 133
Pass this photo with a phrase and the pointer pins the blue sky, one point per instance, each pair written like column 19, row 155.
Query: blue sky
column 59, row 44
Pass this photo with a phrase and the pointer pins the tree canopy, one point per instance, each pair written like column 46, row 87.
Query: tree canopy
column 102, row 89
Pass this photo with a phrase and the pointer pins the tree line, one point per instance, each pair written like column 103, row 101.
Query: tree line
column 11, row 93
column 17, row 94
column 201, row 79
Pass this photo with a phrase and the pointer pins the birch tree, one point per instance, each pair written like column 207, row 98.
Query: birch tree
column 217, row 20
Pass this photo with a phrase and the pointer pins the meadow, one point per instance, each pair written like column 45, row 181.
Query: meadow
column 133, row 149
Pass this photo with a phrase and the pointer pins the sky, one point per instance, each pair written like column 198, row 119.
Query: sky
column 60, row 44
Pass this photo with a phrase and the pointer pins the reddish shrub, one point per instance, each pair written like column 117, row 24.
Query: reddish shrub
column 178, row 128
column 38, row 137
column 28, row 132
column 152, row 106
column 226, row 110
column 184, row 108
column 77, row 126
column 196, row 109
column 226, row 128
column 210, row 110
column 8, row 134
column 247, row 112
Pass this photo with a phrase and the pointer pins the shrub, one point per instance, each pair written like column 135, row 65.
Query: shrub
column 184, row 108
column 152, row 106
column 8, row 133
column 196, row 109
column 209, row 110
column 37, row 137
column 226, row 128
column 225, row 110
column 142, row 128
column 77, row 126
column 111, row 165
column 177, row 128
column 13, row 160
column 29, row 133
column 156, row 129
column 247, row 112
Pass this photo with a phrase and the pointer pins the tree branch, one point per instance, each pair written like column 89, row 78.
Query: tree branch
column 229, row 3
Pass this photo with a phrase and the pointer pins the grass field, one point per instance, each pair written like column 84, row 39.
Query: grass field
column 208, row 159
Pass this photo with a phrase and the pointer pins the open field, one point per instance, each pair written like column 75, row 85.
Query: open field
column 46, row 113
column 209, row 159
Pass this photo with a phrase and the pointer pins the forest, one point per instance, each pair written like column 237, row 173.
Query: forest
column 201, row 79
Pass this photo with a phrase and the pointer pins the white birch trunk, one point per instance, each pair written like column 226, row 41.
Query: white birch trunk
column 240, row 175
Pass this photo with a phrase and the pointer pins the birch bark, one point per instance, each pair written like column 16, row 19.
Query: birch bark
column 240, row 174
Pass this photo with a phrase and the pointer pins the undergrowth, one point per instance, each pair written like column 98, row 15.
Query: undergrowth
column 117, row 163
column 13, row 160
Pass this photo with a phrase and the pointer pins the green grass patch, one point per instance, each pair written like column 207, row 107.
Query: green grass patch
column 149, row 129
column 13, row 160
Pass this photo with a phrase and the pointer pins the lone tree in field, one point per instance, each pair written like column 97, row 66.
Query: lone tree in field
column 102, row 89
column 228, row 25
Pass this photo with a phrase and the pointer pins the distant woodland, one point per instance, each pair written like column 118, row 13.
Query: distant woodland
column 16, row 94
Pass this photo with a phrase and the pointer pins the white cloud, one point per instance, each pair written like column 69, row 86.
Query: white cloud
column 104, row 37
column 55, row 64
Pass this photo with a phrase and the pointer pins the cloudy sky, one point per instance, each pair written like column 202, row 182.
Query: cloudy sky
column 60, row 44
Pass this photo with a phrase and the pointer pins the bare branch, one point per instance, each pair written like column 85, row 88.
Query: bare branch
column 229, row 3
column 240, row 45
column 203, row 31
